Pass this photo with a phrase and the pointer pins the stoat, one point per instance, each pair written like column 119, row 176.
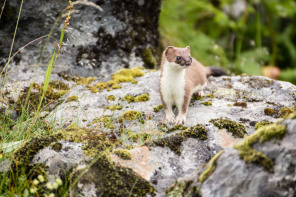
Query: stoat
column 181, row 76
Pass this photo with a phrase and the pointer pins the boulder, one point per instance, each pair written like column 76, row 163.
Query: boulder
column 96, row 43
column 113, row 127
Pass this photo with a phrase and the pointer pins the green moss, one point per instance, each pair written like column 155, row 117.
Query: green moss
column 121, row 76
column 140, row 98
column 249, row 155
column 237, row 129
column 148, row 58
column 72, row 98
column 174, row 142
column 211, row 166
column 131, row 115
column 262, row 124
column 269, row 111
column 57, row 146
column 54, row 91
column 106, row 120
column 156, row 109
column 240, row 104
column 178, row 188
column 94, row 141
column 113, row 180
column 210, row 95
column 123, row 154
column 285, row 112
column 111, row 98
column 116, row 86
column 207, row 103
column 129, row 98
column 114, row 107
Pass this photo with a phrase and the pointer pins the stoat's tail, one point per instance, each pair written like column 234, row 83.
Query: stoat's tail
column 215, row 71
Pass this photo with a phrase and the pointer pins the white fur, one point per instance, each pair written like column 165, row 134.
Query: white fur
column 173, row 89
column 199, row 89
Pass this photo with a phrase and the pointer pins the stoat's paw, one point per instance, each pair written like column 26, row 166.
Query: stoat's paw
column 170, row 118
column 200, row 93
column 181, row 118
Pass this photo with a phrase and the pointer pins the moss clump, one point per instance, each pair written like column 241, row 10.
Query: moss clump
column 111, row 98
column 285, row 112
column 156, row 109
column 269, row 111
column 210, row 95
column 57, row 146
column 262, row 124
column 131, row 115
column 116, row 86
column 114, row 107
column 211, row 167
column 94, row 141
column 207, row 103
column 113, row 180
column 174, row 142
column 148, row 58
column 140, row 98
column 263, row 134
column 237, row 129
column 121, row 76
column 54, row 91
column 106, row 120
column 178, row 188
column 240, row 104
column 72, row 98
column 123, row 154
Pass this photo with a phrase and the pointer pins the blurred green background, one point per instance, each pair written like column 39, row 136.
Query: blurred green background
column 256, row 37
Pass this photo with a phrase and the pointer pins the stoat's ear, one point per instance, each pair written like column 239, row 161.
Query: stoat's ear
column 169, row 49
column 188, row 48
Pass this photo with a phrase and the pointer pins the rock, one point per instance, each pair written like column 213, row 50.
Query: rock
column 118, row 112
column 97, row 42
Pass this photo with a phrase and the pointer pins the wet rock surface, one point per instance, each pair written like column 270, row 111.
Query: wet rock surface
column 241, row 99
column 96, row 43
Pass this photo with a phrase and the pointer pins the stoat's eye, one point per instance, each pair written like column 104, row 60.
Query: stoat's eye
column 178, row 58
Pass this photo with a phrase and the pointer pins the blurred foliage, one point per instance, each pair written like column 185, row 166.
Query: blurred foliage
column 242, row 36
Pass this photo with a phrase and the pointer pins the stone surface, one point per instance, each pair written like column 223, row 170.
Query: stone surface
column 160, row 165
column 96, row 43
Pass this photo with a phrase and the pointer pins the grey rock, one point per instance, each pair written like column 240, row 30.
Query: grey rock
column 234, row 177
column 96, row 43
column 160, row 165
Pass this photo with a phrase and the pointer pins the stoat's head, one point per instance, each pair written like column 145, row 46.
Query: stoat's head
column 180, row 56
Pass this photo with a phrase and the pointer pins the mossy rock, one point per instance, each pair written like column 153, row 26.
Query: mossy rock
column 123, row 154
column 124, row 75
column 174, row 142
column 237, row 129
column 269, row 111
column 266, row 133
column 140, row 98
column 285, row 112
column 157, row 109
column 240, row 104
column 111, row 179
column 206, row 103
column 111, row 98
column 114, row 107
column 148, row 58
column 262, row 124
column 131, row 115
column 72, row 98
